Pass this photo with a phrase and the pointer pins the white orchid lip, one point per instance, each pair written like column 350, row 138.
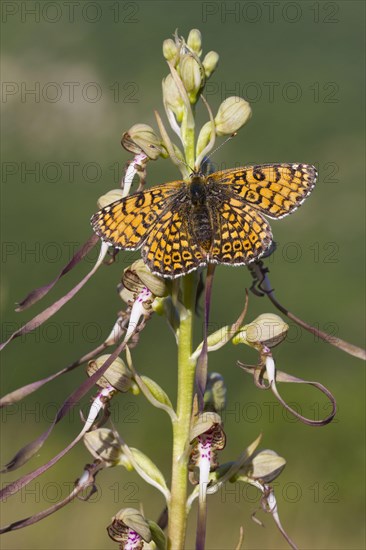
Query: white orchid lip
column 138, row 310
column 270, row 369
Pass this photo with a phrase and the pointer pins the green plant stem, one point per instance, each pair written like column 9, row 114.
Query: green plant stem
column 181, row 427
column 189, row 136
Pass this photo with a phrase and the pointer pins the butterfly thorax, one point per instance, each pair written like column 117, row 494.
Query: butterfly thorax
column 201, row 222
column 197, row 190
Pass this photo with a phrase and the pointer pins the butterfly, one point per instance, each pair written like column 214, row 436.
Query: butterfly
column 180, row 226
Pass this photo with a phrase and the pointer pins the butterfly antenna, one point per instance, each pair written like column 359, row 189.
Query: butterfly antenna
column 180, row 161
column 183, row 162
column 206, row 163
column 221, row 145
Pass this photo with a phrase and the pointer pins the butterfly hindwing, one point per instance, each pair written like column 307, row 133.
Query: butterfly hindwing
column 170, row 249
column 242, row 234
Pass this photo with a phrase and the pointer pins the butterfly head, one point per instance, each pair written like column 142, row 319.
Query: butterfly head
column 196, row 177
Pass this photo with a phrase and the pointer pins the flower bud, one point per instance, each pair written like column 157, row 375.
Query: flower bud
column 210, row 62
column 118, row 375
column 125, row 521
column 267, row 330
column 233, row 113
column 142, row 137
column 192, row 75
column 194, row 41
column 108, row 198
column 103, row 444
column 267, row 465
column 156, row 391
column 172, row 97
column 203, row 138
column 170, row 51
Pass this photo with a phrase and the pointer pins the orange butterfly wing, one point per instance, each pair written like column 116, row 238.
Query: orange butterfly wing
column 276, row 190
column 170, row 249
column 241, row 234
column 126, row 223
column 162, row 220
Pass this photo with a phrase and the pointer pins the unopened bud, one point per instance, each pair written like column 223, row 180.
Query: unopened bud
column 203, row 138
column 267, row 465
column 233, row 113
column 103, row 444
column 172, row 98
column 266, row 330
column 210, row 62
column 192, row 75
column 194, row 41
column 170, row 51
column 118, row 375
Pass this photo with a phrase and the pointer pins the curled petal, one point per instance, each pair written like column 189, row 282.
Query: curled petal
column 269, row 504
column 275, row 376
column 85, row 481
column 262, row 282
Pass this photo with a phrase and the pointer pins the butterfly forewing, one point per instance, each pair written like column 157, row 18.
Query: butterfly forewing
column 274, row 189
column 127, row 222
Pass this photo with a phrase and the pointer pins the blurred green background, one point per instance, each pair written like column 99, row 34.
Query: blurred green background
column 96, row 69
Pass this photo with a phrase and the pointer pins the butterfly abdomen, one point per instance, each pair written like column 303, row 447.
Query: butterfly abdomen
column 202, row 227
